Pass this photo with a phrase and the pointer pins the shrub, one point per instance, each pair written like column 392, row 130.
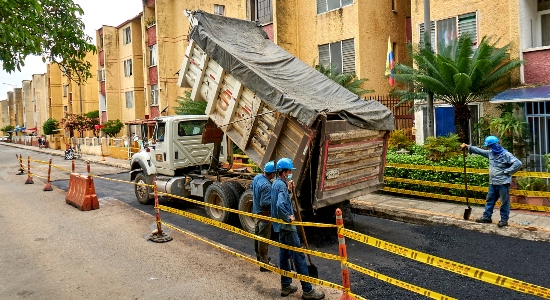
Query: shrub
column 532, row 184
column 50, row 126
column 112, row 127
column 442, row 147
column 398, row 140
column 472, row 161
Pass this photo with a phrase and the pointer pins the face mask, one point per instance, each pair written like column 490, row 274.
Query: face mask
column 289, row 177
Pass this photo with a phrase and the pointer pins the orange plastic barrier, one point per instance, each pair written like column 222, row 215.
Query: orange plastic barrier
column 81, row 192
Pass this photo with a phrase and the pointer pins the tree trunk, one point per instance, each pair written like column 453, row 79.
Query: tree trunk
column 462, row 118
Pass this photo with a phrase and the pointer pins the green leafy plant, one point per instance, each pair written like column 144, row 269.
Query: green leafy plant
column 53, row 29
column 513, row 133
column 51, row 126
column 348, row 80
column 442, row 147
column 7, row 128
column 399, row 140
column 112, row 127
column 546, row 160
column 186, row 106
column 532, row 184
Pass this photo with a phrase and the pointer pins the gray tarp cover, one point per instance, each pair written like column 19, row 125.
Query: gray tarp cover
column 280, row 79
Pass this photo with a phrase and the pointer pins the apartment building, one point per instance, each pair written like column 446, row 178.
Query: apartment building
column 165, row 31
column 28, row 107
column 120, row 71
column 350, row 36
column 39, row 94
column 11, row 108
column 5, row 116
column 525, row 25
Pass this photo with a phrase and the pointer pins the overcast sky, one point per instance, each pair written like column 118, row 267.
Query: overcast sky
column 96, row 14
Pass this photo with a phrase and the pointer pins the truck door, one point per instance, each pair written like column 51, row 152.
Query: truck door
column 159, row 149
column 187, row 145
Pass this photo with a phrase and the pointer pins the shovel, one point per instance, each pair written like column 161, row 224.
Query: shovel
column 312, row 269
column 467, row 211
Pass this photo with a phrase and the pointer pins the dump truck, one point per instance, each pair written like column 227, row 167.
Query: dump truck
column 270, row 105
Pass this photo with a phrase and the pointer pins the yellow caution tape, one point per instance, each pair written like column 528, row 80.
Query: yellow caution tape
column 461, row 187
column 245, row 233
column 399, row 283
column 468, row 170
column 463, row 199
column 36, row 175
column 269, row 267
column 120, row 180
column 250, row 214
column 451, row 266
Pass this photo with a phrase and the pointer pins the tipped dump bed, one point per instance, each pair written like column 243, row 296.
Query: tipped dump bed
column 273, row 105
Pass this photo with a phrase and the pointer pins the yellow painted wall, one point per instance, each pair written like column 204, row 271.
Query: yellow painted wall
column 18, row 100
column 40, row 95
column 55, row 92
column 300, row 30
column 112, row 72
column 11, row 105
column 5, row 117
column 172, row 29
column 28, row 104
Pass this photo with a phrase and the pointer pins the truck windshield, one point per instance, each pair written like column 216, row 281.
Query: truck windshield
column 189, row 128
column 159, row 132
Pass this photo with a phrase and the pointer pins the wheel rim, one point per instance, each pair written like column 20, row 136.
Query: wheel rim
column 250, row 221
column 141, row 190
column 216, row 200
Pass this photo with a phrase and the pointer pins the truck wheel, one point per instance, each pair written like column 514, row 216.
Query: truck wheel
column 245, row 204
column 143, row 193
column 236, row 187
column 219, row 194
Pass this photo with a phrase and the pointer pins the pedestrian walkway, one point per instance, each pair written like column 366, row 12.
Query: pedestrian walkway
column 523, row 224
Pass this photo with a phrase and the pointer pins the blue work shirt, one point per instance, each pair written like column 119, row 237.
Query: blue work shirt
column 261, row 194
column 501, row 167
column 281, row 205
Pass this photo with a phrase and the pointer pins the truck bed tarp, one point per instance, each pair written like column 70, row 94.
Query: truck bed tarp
column 277, row 77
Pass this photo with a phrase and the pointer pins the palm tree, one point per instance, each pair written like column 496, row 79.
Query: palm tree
column 458, row 74
column 347, row 80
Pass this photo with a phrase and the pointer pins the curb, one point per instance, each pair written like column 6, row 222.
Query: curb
column 428, row 218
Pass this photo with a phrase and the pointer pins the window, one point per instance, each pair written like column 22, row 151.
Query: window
column 327, row 5
column 155, row 94
column 219, row 10
column 65, row 90
column 128, row 68
column 446, row 30
column 191, row 128
column 101, row 74
column 126, row 36
column 153, row 55
column 264, row 11
column 101, row 41
column 340, row 56
column 158, row 133
column 129, row 99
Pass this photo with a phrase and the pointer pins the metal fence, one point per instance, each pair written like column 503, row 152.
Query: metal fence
column 403, row 113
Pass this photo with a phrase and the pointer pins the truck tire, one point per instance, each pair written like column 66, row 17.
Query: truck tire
column 219, row 193
column 236, row 187
column 245, row 204
column 143, row 193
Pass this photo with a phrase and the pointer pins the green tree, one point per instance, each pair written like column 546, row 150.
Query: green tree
column 347, row 80
column 52, row 29
column 7, row 128
column 458, row 74
column 50, row 126
column 112, row 127
column 92, row 119
column 186, row 106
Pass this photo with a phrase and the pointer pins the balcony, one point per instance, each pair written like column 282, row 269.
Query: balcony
column 536, row 69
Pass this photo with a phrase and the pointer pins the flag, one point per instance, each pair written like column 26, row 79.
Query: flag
column 390, row 62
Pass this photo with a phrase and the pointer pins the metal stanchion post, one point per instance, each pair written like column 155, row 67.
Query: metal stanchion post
column 29, row 178
column 101, row 147
column 48, row 186
column 88, row 166
column 158, row 236
column 72, row 166
column 344, row 255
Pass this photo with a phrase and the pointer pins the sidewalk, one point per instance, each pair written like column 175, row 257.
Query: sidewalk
column 523, row 224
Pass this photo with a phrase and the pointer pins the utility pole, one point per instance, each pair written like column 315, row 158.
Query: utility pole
column 80, row 88
column 427, row 44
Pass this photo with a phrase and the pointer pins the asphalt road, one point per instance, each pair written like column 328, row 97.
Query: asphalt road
column 524, row 260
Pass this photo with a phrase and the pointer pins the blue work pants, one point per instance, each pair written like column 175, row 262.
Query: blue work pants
column 291, row 238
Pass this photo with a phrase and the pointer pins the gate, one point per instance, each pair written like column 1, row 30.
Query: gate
column 403, row 114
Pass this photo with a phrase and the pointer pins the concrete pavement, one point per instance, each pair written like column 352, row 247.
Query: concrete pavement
column 523, row 224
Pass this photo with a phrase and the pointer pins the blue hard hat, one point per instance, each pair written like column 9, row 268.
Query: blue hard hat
column 490, row 140
column 285, row 163
column 269, row 167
